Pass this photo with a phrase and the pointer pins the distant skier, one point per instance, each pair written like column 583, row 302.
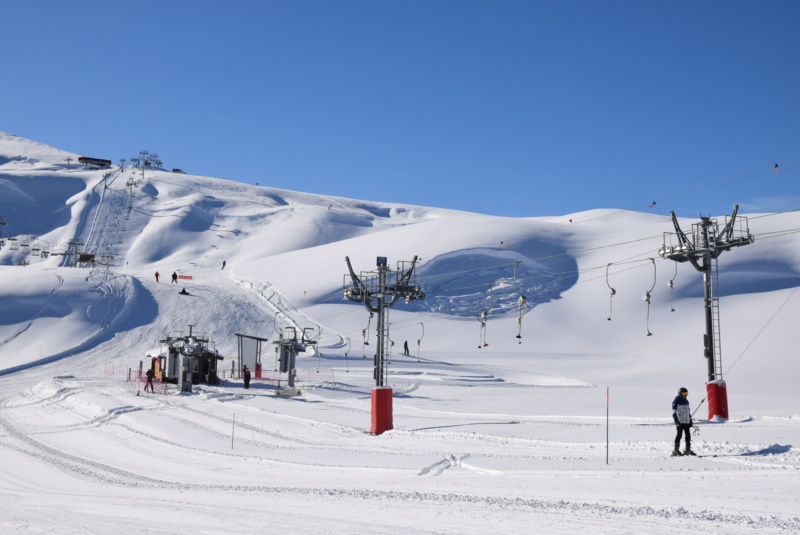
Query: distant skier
column 224, row 263
column 246, row 377
column 405, row 347
column 149, row 382
column 682, row 415
column 157, row 275
column 174, row 277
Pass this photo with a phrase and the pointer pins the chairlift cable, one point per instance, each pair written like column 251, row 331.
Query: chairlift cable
column 565, row 286
column 750, row 175
column 539, row 259
column 774, row 213
column 761, row 331
column 549, row 275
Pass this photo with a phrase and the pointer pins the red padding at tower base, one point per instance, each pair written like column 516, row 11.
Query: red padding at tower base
column 717, row 400
column 381, row 410
column 258, row 371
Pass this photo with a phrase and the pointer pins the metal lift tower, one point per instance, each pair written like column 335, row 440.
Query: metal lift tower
column 379, row 291
column 707, row 242
column 288, row 348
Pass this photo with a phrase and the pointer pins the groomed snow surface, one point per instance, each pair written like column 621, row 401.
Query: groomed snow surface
column 506, row 438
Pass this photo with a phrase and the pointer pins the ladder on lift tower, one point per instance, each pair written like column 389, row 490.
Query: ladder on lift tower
column 715, row 323
column 385, row 343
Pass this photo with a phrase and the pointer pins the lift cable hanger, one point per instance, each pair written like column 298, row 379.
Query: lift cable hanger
column 365, row 335
column 522, row 302
column 646, row 296
column 275, row 325
column 419, row 340
column 483, row 317
column 671, row 285
column 613, row 292
column 390, row 345
column 316, row 341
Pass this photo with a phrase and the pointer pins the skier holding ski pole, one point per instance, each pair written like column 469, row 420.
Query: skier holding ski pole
column 683, row 421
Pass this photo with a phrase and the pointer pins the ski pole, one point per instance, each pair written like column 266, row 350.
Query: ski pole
column 695, row 429
column 700, row 405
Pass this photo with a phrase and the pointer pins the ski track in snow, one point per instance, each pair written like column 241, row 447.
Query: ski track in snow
column 28, row 324
column 104, row 407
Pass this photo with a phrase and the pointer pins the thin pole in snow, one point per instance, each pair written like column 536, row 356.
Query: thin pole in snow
column 607, row 404
column 233, row 429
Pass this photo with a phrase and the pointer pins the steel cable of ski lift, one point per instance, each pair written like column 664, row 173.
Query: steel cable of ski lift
column 761, row 331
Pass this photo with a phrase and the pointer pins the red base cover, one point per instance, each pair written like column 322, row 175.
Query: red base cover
column 381, row 410
column 717, row 400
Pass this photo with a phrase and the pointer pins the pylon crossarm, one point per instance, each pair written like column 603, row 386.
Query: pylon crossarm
column 357, row 292
column 683, row 241
column 401, row 289
column 727, row 232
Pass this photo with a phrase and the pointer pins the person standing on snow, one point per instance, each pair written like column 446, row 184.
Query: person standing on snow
column 246, row 377
column 405, row 347
column 157, row 275
column 682, row 415
column 149, row 382
column 224, row 263
column 175, row 277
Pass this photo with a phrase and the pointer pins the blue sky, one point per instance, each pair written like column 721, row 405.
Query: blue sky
column 516, row 108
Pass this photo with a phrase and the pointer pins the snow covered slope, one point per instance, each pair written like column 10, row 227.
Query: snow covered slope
column 487, row 438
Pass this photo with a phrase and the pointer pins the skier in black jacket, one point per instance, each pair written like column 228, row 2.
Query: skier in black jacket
column 682, row 415
column 149, row 382
column 246, row 377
